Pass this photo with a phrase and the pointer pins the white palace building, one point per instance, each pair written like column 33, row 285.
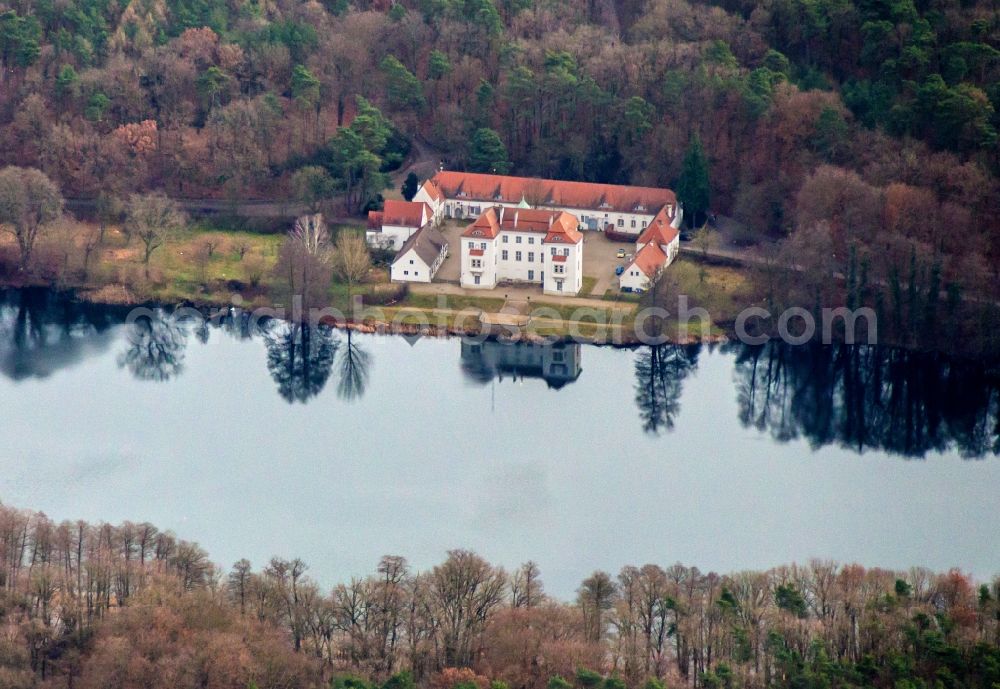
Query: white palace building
column 523, row 245
column 526, row 230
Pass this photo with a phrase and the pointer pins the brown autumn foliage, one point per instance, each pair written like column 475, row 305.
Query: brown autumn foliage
column 99, row 606
column 207, row 104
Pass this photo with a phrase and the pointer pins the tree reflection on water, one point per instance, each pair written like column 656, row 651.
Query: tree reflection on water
column 660, row 371
column 42, row 332
column 156, row 347
column 865, row 397
column 300, row 358
column 861, row 398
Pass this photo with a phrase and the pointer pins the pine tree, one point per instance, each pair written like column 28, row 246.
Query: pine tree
column 487, row 153
column 693, row 189
column 410, row 186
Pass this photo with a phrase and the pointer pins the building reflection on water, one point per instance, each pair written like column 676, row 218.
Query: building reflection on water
column 557, row 364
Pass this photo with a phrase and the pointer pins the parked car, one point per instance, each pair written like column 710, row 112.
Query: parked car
column 619, row 270
column 620, row 253
column 686, row 236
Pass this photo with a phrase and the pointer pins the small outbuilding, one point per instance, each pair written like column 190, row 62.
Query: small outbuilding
column 421, row 256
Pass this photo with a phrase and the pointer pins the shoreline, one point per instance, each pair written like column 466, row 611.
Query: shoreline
column 435, row 325
column 439, row 322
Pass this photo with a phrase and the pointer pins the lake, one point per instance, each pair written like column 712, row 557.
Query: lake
column 339, row 449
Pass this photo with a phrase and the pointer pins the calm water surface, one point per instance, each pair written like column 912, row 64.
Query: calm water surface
column 341, row 450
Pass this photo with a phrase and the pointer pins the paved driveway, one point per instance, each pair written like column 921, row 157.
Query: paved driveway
column 599, row 260
column 451, row 269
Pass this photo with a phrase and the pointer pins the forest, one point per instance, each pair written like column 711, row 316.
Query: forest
column 105, row 606
column 864, row 131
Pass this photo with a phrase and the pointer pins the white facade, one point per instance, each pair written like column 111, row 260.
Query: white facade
column 564, row 269
column 409, row 267
column 479, row 262
column 433, row 198
column 589, row 219
column 557, row 267
column 545, row 255
column 390, row 237
column 633, row 280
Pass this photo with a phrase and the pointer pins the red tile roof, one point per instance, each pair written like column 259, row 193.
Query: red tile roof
column 405, row 213
column 486, row 225
column 475, row 252
column 549, row 192
column 649, row 259
column 559, row 258
column 659, row 230
column 433, row 190
column 558, row 226
column 374, row 220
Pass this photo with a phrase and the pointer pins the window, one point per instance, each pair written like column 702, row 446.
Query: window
column 553, row 251
column 517, row 239
column 503, row 254
column 633, row 222
column 416, row 273
column 559, row 269
column 531, row 275
column 559, row 285
column 531, row 257
column 565, row 252
column 411, row 261
column 476, row 278
column 517, row 255
column 621, row 223
column 505, row 238
column 483, row 246
column 406, row 272
column 531, row 240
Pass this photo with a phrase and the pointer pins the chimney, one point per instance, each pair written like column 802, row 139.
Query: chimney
column 551, row 218
column 516, row 213
column 500, row 214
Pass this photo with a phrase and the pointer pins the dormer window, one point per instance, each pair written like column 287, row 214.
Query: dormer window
column 477, row 233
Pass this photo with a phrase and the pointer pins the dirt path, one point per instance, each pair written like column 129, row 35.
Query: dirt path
column 528, row 295
column 423, row 161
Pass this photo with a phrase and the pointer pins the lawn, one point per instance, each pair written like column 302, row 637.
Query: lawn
column 198, row 264
column 720, row 290
column 453, row 301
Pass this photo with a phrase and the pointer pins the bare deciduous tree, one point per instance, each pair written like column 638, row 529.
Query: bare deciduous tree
column 28, row 201
column 154, row 219
column 352, row 260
